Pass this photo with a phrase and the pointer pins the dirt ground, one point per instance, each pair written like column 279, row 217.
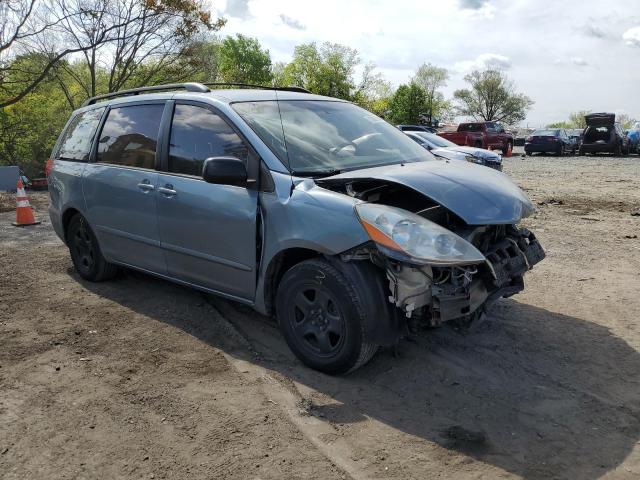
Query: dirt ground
column 140, row 378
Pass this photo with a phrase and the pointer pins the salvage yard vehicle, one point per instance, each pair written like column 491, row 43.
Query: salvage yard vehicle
column 305, row 207
column 481, row 135
column 443, row 148
column 549, row 140
column 633, row 134
column 416, row 128
column 603, row 135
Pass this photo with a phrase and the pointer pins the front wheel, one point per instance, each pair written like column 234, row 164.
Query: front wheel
column 322, row 319
column 85, row 252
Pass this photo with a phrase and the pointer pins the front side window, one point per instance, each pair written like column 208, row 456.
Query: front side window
column 130, row 136
column 315, row 137
column 77, row 140
column 197, row 133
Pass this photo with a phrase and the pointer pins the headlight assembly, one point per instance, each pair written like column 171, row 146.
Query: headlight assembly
column 410, row 235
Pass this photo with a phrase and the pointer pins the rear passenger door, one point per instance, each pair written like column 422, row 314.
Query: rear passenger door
column 208, row 232
column 120, row 186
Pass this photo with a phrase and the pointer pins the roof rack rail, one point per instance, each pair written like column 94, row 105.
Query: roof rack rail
column 261, row 87
column 189, row 87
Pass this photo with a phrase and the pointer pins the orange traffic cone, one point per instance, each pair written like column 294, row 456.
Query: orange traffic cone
column 509, row 151
column 24, row 214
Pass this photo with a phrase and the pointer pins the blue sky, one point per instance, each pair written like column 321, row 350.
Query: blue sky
column 566, row 55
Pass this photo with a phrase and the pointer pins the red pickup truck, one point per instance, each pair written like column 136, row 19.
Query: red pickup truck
column 481, row 135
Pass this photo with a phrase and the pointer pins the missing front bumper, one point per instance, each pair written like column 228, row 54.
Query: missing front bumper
column 440, row 294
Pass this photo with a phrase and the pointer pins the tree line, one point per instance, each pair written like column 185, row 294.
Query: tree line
column 54, row 54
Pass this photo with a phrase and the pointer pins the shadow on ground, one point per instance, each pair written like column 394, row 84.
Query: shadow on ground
column 536, row 393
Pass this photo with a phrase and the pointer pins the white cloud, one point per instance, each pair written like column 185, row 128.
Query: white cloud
column 291, row 22
column 552, row 61
column 237, row 8
column 483, row 62
column 473, row 4
column 632, row 37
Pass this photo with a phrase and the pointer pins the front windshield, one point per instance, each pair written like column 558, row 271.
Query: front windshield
column 436, row 140
column 316, row 137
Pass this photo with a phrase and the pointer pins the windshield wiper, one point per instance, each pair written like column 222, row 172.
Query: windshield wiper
column 315, row 173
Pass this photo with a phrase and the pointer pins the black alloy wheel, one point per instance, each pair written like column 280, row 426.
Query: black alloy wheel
column 85, row 251
column 322, row 317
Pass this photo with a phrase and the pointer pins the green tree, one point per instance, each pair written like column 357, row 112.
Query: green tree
column 563, row 124
column 576, row 119
column 625, row 120
column 407, row 104
column 492, row 97
column 112, row 36
column 328, row 70
column 242, row 60
column 373, row 91
column 29, row 128
column 431, row 79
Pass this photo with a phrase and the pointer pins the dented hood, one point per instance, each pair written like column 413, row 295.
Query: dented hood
column 477, row 194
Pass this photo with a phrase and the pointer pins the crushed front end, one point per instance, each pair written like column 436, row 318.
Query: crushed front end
column 436, row 294
column 439, row 266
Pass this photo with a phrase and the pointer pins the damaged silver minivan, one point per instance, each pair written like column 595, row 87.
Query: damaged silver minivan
column 305, row 207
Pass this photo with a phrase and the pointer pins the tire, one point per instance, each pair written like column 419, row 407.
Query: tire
column 560, row 150
column 505, row 149
column 85, row 252
column 322, row 318
column 618, row 150
column 527, row 153
column 478, row 144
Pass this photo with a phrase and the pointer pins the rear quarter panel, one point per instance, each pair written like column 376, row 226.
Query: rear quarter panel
column 65, row 192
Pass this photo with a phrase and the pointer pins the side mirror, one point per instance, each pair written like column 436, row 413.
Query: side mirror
column 225, row 171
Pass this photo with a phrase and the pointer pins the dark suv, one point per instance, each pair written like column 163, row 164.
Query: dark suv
column 604, row 135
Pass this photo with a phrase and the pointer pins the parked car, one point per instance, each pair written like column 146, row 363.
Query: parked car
column 634, row 138
column 481, row 135
column 416, row 128
column 304, row 207
column 441, row 147
column 576, row 135
column 604, row 135
column 549, row 140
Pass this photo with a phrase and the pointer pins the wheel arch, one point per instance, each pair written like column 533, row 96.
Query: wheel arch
column 67, row 215
column 384, row 324
column 278, row 265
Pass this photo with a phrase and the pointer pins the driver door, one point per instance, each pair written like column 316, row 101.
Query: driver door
column 207, row 231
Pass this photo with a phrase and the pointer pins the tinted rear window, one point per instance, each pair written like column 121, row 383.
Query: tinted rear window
column 470, row 127
column 130, row 136
column 78, row 137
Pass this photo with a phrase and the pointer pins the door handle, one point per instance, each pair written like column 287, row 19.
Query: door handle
column 167, row 190
column 145, row 186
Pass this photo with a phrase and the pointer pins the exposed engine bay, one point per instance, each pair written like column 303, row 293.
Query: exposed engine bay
column 432, row 294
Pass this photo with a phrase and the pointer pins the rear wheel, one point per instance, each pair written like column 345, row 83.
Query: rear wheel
column 478, row 144
column 85, row 252
column 507, row 146
column 321, row 317
column 560, row 150
column 618, row 150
